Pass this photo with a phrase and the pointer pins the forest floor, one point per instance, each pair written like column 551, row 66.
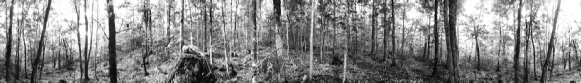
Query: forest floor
column 361, row 68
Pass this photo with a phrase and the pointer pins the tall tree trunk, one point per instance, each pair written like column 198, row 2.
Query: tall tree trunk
column 147, row 22
column 477, row 48
column 25, row 56
column 452, row 40
column 168, row 29
column 42, row 63
column 40, row 43
column 551, row 44
column 385, row 32
column 499, row 50
column 311, row 39
column 224, row 35
column 255, row 39
column 372, row 17
column 393, row 34
column 436, row 40
column 277, row 18
column 526, row 59
column 534, row 51
column 8, row 51
column 181, row 42
column 348, row 40
column 210, row 46
column 88, row 59
column 517, row 45
column 18, row 59
column 112, row 41
column 79, row 40
column 85, row 71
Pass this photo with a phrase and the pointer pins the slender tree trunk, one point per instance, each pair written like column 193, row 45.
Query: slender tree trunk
column 255, row 39
column 526, row 59
column 210, row 46
column 311, row 39
column 25, row 56
column 372, row 17
column 168, row 29
column 88, row 59
column 147, row 22
column 182, row 26
column 477, row 48
column 385, row 32
column 349, row 18
column 8, row 73
column 18, row 59
column 42, row 63
column 551, row 44
column 436, row 40
column 534, row 51
column 499, row 50
column 112, row 41
column 79, row 40
column 517, row 45
column 393, row 60
column 85, row 71
column 41, row 43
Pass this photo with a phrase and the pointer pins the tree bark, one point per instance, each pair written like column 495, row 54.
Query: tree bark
column 452, row 39
column 168, row 29
column 394, row 57
column 436, row 40
column 41, row 43
column 112, row 42
column 477, row 48
column 147, row 22
column 311, row 39
column 551, row 44
column 517, row 45
column 385, row 32
column 255, row 39
column 372, row 17
column 18, row 59
column 79, row 40
column 9, row 72
column 526, row 59
column 85, row 71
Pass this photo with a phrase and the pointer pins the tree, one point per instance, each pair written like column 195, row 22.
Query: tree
column 18, row 59
column 77, row 11
column 8, row 72
column 255, row 39
column 517, row 45
column 147, row 22
column 112, row 51
column 372, row 17
column 436, row 40
column 452, row 40
column 86, row 60
column 311, row 39
column 393, row 33
column 526, row 59
column 168, row 29
column 477, row 47
column 551, row 46
column 385, row 32
column 41, row 43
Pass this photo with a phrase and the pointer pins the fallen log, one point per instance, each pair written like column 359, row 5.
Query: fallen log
column 196, row 68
